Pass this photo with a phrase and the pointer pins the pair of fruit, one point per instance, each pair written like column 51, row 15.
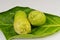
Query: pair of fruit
column 22, row 23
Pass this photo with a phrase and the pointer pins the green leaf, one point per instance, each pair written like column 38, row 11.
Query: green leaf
column 51, row 26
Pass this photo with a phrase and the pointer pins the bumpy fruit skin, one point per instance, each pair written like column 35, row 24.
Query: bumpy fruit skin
column 21, row 23
column 37, row 18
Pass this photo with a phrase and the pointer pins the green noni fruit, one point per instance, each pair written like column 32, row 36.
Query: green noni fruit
column 21, row 23
column 37, row 18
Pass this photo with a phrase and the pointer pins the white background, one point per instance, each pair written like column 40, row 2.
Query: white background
column 49, row 6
